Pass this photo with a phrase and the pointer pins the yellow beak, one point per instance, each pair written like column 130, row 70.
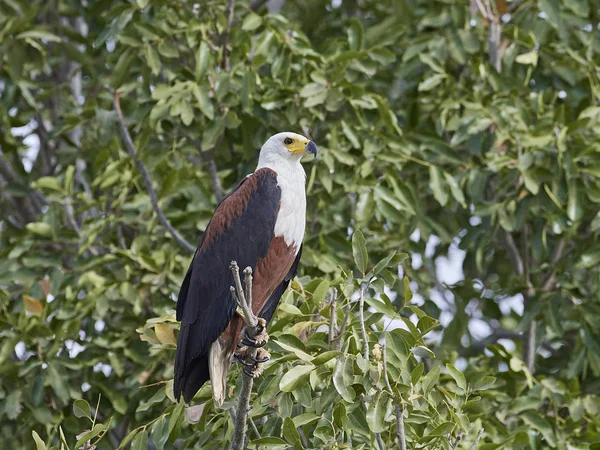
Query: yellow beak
column 303, row 147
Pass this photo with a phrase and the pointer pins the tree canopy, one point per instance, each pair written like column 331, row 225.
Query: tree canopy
column 449, row 289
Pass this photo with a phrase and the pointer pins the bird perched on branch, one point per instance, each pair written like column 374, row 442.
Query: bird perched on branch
column 260, row 224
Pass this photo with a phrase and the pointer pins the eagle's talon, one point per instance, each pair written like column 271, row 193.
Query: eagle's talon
column 248, row 373
column 239, row 359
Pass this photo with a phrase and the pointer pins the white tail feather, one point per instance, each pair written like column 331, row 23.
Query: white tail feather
column 218, row 366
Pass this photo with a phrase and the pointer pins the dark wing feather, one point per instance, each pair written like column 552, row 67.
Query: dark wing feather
column 271, row 305
column 241, row 229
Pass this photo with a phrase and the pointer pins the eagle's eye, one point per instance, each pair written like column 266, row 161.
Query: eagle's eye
column 288, row 141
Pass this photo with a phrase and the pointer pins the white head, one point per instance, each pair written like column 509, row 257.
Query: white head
column 284, row 149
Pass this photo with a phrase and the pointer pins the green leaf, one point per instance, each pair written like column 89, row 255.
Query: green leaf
column 376, row 412
column 382, row 306
column 121, row 70
column 39, row 444
column 359, row 251
column 431, row 82
column 340, row 417
column 81, row 408
column 350, row 135
column 458, row 376
column 384, row 263
column 440, row 431
column 12, row 402
column 408, row 295
column 39, row 34
column 340, row 383
column 48, row 183
column 355, row 34
column 128, row 438
column 324, row 357
column 251, row 22
column 152, row 59
column 295, row 377
column 540, row 424
column 290, row 433
column 269, row 442
column 437, row 183
column 89, row 435
column 484, row 383
column 430, row 379
column 455, row 189
column 160, row 432
column 530, row 58
column 202, row 61
column 41, row 228
column 416, row 373
column 140, row 441
column 574, row 201
column 204, row 102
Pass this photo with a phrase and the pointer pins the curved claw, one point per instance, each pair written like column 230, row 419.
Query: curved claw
column 251, row 343
column 247, row 372
column 243, row 361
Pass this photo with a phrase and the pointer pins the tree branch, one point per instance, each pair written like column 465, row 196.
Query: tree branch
column 229, row 8
column 474, row 445
column 513, row 251
column 146, row 176
column 363, row 329
column 211, row 167
column 399, row 409
column 550, row 280
column 244, row 300
column 333, row 329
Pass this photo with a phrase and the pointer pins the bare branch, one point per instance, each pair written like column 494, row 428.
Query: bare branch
column 479, row 434
column 211, row 167
column 379, row 441
column 399, row 410
column 255, row 429
column 513, row 251
column 550, row 280
column 252, row 331
column 146, row 176
column 230, row 9
column 529, row 347
column 458, row 439
column 363, row 329
column 333, row 329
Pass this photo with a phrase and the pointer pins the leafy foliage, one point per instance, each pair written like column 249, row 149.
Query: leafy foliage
column 449, row 133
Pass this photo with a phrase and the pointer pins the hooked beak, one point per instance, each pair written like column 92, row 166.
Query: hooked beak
column 311, row 147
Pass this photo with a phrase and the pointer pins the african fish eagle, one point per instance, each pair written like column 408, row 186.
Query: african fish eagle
column 259, row 224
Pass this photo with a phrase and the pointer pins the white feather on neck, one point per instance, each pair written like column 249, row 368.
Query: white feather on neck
column 291, row 179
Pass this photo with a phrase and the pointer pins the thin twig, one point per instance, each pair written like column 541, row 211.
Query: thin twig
column 211, row 167
column 146, row 176
column 245, row 302
column 513, row 251
column 529, row 349
column 229, row 8
column 379, row 441
column 361, row 306
column 254, row 428
column 479, row 434
column 458, row 439
column 550, row 280
column 399, row 409
column 333, row 330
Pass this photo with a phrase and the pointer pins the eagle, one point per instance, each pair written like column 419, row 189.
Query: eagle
column 260, row 224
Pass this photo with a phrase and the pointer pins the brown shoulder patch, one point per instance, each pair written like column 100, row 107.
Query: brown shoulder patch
column 268, row 274
column 271, row 270
column 234, row 205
